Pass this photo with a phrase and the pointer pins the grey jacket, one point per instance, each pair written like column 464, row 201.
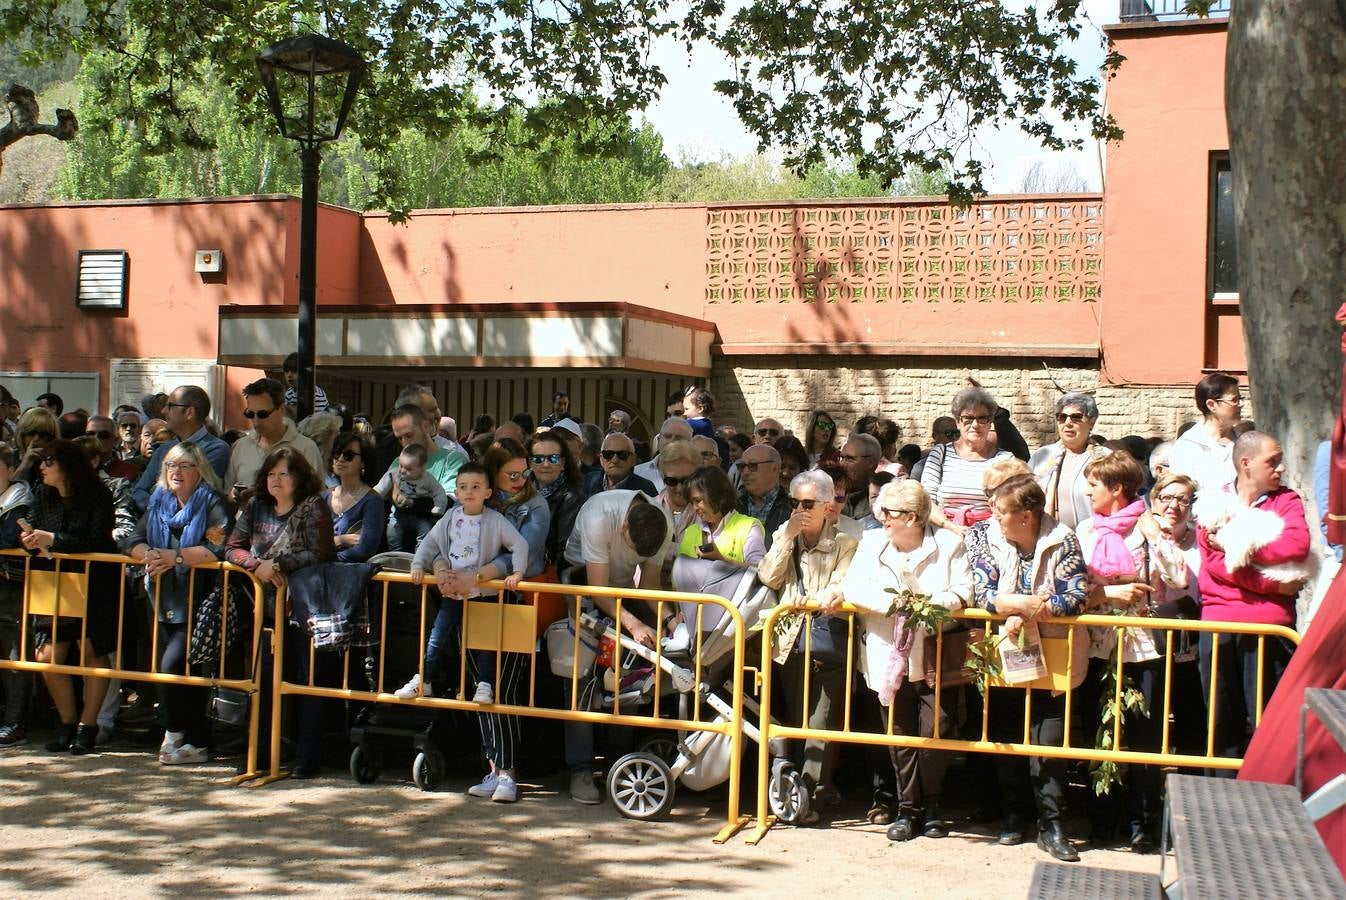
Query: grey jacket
column 496, row 532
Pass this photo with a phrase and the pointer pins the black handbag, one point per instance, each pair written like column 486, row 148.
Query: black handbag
column 209, row 624
column 229, row 706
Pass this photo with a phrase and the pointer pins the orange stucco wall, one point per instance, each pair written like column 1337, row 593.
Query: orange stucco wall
column 1169, row 99
column 171, row 310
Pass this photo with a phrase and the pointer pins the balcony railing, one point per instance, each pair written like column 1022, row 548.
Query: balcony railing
column 1166, row 10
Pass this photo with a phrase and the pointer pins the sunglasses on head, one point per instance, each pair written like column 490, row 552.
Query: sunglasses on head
column 807, row 504
column 610, row 455
column 348, row 455
column 257, row 413
column 540, row 458
column 101, row 435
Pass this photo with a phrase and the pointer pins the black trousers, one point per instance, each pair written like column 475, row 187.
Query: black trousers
column 1036, row 781
column 1235, row 699
column 919, row 773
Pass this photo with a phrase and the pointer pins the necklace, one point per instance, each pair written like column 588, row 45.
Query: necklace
column 342, row 501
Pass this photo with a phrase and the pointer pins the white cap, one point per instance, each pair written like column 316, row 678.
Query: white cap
column 569, row 425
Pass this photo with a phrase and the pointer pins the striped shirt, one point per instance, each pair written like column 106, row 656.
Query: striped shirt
column 953, row 482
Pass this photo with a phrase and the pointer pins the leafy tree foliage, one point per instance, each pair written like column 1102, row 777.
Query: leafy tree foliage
column 893, row 86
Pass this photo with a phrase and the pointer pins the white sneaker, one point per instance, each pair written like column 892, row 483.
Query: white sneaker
column 484, row 693
column 679, row 642
column 506, row 790
column 172, row 741
column 186, row 755
column 414, row 688
column 487, row 786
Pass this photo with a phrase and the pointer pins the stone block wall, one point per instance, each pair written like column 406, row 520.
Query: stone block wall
column 913, row 391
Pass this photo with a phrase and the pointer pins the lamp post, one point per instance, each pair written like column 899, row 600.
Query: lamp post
column 311, row 82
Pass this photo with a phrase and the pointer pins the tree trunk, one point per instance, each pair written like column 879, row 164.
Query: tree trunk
column 1285, row 98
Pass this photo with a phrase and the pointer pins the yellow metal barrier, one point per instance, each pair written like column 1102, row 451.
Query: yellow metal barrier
column 1059, row 679
column 495, row 625
column 63, row 592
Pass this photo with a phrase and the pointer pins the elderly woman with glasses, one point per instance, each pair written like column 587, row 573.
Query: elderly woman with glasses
column 820, row 438
column 185, row 525
column 908, row 554
column 953, row 472
column 806, row 563
column 1059, row 466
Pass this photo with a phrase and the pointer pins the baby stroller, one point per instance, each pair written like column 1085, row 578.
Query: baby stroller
column 428, row 730
column 642, row 784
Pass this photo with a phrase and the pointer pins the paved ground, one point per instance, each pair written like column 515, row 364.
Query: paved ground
column 119, row 825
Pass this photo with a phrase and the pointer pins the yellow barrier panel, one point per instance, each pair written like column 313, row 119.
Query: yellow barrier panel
column 1060, row 678
column 495, row 625
column 62, row 593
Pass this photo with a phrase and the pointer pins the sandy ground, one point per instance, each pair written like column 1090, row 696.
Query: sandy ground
column 119, row 825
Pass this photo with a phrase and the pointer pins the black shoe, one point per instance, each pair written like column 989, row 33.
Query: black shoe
column 304, row 769
column 65, row 736
column 1012, row 833
column 12, row 735
column 86, row 736
column 935, row 827
column 1052, row 840
column 1141, row 841
column 902, row 829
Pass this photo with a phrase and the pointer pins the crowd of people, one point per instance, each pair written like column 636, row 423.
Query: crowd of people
column 1199, row 526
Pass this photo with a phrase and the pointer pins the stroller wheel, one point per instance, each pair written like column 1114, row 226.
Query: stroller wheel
column 662, row 746
column 641, row 786
column 364, row 765
column 428, row 769
column 789, row 796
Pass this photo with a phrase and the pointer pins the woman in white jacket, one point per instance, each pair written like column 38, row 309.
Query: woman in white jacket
column 1059, row 466
column 908, row 553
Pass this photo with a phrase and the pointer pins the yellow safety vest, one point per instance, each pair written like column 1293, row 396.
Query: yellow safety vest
column 734, row 531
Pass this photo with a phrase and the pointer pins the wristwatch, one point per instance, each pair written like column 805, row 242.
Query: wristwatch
column 177, row 560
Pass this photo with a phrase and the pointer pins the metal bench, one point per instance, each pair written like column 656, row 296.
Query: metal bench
column 1071, row 881
column 1330, row 708
column 1243, row 839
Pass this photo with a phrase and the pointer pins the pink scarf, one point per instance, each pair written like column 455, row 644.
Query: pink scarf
column 896, row 670
column 1111, row 558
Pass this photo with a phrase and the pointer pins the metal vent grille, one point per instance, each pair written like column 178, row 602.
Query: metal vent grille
column 101, row 279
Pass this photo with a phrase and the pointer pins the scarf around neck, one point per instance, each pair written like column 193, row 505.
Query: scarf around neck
column 1111, row 558
column 546, row 490
column 164, row 517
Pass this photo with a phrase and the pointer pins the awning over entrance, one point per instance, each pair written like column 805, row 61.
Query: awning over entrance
column 603, row 335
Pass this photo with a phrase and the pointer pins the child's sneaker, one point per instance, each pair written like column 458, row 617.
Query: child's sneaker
column 413, row 688
column 484, row 693
column 487, row 786
column 12, row 735
column 506, row 790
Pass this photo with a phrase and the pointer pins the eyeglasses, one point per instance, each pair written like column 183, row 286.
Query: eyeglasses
column 752, row 466
column 1174, row 500
column 710, row 454
column 48, row 460
column 826, row 426
column 673, row 481
column 348, row 455
column 808, row 505
column 850, row 458
column 101, row 435
column 1074, row 418
column 950, row 433
column 257, row 413
column 180, row 466
column 1232, row 401
column 840, row 498
column 514, row 476
column 890, row 514
column 695, row 499
column 128, row 426
column 183, row 406
column 974, row 420
column 610, row 455
column 768, row 432
column 540, row 458
column 45, row 435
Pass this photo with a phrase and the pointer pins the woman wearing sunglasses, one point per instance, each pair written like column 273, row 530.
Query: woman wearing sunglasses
column 357, row 509
column 37, row 429
column 953, row 472
column 1059, row 466
column 806, row 562
column 556, row 475
column 820, row 438
column 677, row 462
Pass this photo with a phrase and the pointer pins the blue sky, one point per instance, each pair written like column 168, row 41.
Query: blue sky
column 699, row 124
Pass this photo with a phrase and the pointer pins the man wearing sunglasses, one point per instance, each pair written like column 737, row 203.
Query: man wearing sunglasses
column 943, row 431
column 264, row 407
column 185, row 413
column 618, row 459
column 762, row 496
column 105, row 430
column 674, row 429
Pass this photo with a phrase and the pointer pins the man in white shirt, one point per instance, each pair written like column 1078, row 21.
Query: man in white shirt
column 264, row 406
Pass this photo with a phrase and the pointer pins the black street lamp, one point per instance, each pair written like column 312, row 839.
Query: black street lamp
column 311, row 82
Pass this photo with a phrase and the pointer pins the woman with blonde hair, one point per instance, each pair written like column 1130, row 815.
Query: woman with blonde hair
column 36, row 429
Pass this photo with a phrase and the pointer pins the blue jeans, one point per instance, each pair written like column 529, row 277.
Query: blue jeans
column 443, row 643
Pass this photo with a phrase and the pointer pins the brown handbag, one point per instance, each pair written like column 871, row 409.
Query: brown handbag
column 954, row 660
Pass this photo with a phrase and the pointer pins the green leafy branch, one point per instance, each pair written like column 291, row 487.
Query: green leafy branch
column 984, row 659
column 920, row 610
column 1104, row 774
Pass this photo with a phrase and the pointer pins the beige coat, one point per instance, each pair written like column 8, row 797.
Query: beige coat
column 820, row 569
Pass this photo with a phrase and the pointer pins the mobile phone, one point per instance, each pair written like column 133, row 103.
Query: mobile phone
column 707, row 548
column 23, row 525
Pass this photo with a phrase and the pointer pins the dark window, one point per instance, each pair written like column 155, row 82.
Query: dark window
column 1223, row 246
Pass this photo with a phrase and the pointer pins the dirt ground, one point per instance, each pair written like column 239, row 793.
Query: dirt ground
column 117, row 824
